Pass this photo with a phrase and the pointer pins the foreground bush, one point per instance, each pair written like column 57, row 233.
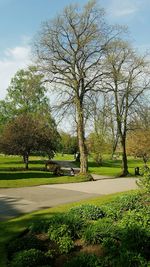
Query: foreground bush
column 119, row 229
column 144, row 182
column 121, row 204
column 84, row 260
column 95, row 233
column 24, row 243
column 88, row 212
column 29, row 258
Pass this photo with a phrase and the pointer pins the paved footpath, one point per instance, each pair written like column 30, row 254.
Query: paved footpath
column 17, row 201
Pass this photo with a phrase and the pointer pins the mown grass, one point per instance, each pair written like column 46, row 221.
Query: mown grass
column 113, row 167
column 12, row 173
column 64, row 157
column 8, row 180
column 10, row 229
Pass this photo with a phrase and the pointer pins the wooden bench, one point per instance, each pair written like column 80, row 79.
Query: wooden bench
column 53, row 167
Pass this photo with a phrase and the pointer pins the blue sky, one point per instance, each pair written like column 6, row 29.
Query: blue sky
column 21, row 19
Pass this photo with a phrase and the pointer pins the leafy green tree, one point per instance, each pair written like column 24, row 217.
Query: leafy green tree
column 6, row 113
column 26, row 92
column 98, row 145
column 69, row 143
column 26, row 134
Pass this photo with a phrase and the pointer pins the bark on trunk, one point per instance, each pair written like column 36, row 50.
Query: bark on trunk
column 124, row 158
column 81, row 139
column 26, row 161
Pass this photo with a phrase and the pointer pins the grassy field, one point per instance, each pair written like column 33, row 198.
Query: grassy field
column 12, row 173
column 10, row 229
column 113, row 167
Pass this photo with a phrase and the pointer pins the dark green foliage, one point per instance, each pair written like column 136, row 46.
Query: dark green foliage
column 29, row 258
column 88, row 212
column 84, row 260
column 40, row 226
column 111, row 245
column 95, row 233
column 24, row 243
column 74, row 223
column 55, row 232
column 65, row 244
column 144, row 182
column 61, row 234
column 130, row 259
column 122, row 231
column 64, row 228
column 117, row 255
column 123, row 259
column 135, row 232
column 123, row 203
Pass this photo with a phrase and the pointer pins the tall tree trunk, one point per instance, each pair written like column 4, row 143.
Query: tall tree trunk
column 26, row 161
column 124, row 157
column 114, row 147
column 81, row 139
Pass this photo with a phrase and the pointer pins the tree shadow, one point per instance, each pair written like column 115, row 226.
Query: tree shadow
column 24, row 175
column 8, row 208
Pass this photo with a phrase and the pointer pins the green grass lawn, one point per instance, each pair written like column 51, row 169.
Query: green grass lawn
column 113, row 167
column 24, row 179
column 64, row 157
column 12, row 173
column 10, row 229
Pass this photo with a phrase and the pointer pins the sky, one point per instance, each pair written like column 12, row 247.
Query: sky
column 20, row 20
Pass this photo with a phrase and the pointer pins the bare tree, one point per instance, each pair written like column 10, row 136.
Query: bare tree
column 69, row 51
column 127, row 81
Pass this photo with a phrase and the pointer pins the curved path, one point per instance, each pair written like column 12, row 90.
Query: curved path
column 17, row 201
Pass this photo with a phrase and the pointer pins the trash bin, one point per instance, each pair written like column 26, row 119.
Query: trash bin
column 137, row 171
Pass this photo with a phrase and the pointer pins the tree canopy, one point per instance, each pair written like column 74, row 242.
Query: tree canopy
column 26, row 134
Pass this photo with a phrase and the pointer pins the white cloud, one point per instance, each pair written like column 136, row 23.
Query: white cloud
column 120, row 8
column 13, row 59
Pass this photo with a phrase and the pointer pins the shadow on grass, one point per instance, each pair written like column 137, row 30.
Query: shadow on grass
column 24, row 175
column 108, row 163
column 8, row 208
column 35, row 162
column 11, row 162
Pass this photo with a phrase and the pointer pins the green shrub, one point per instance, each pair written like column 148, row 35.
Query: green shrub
column 29, row 258
column 40, row 226
column 65, row 244
column 116, row 255
column 116, row 208
column 88, row 212
column 95, row 233
column 141, row 217
column 111, row 246
column 24, row 243
column 62, row 236
column 73, row 222
column 130, row 259
column 144, row 182
column 55, row 232
column 123, row 259
column 84, row 260
column 135, row 232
